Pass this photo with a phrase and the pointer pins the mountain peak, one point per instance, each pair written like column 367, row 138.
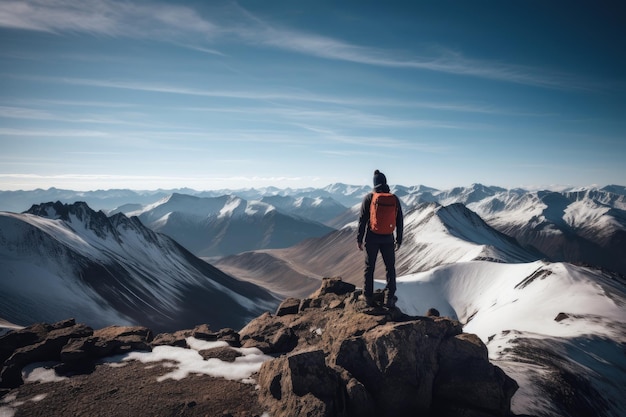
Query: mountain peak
column 454, row 233
column 80, row 212
column 615, row 189
column 58, row 210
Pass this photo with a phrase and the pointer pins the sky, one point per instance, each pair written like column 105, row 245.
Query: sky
column 105, row 94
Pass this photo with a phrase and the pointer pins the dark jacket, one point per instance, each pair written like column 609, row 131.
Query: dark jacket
column 364, row 220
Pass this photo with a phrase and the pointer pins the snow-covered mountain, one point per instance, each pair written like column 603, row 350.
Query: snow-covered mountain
column 218, row 226
column 346, row 194
column 557, row 329
column 350, row 195
column 587, row 227
column 437, row 235
column 319, row 209
column 60, row 261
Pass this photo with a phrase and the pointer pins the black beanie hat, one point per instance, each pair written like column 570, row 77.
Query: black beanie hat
column 379, row 179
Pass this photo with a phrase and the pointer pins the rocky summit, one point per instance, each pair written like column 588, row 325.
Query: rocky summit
column 338, row 357
column 325, row 355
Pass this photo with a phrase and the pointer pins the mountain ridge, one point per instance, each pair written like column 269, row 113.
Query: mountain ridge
column 113, row 270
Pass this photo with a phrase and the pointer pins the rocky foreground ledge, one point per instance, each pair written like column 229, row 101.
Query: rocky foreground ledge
column 329, row 355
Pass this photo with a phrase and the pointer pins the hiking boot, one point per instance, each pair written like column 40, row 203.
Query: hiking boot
column 390, row 300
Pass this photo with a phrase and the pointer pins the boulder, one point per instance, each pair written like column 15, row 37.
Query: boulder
column 289, row 306
column 223, row 353
column 112, row 340
column 115, row 340
column 229, row 336
column 561, row 316
column 269, row 334
column 202, row 332
column 333, row 285
column 432, row 312
column 396, row 363
column 16, row 339
column 47, row 347
column 301, row 384
column 467, row 379
column 177, row 339
column 30, row 335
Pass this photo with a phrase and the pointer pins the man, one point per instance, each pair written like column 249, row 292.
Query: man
column 379, row 242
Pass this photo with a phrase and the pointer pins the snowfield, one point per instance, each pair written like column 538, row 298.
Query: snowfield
column 513, row 307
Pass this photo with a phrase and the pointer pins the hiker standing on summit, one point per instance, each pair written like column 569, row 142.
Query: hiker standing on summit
column 381, row 214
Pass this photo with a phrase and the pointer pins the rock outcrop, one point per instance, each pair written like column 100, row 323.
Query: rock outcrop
column 74, row 346
column 333, row 356
column 341, row 358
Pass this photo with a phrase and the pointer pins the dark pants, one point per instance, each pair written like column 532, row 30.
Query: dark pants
column 387, row 250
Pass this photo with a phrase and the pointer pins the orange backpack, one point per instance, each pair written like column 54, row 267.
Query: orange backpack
column 383, row 213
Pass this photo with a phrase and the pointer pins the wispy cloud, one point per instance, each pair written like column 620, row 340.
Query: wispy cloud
column 445, row 61
column 274, row 96
column 372, row 143
column 117, row 119
column 24, row 113
column 103, row 17
column 173, row 89
column 71, row 103
column 441, row 60
column 185, row 26
column 62, row 133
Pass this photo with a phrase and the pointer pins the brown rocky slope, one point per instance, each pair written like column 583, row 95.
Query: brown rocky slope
column 329, row 355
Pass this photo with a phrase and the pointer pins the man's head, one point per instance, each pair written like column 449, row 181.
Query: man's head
column 380, row 181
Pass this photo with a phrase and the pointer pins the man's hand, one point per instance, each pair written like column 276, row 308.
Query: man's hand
column 397, row 246
column 360, row 245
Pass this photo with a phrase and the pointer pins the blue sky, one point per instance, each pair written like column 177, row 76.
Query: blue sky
column 100, row 94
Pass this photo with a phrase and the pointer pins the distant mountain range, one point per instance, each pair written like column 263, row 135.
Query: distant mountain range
column 60, row 261
column 218, row 226
column 583, row 226
column 579, row 225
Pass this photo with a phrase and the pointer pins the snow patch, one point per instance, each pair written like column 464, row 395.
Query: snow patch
column 230, row 207
column 41, row 372
column 189, row 361
column 12, row 403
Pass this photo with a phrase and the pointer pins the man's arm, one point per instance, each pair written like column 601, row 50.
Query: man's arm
column 364, row 218
column 399, row 224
